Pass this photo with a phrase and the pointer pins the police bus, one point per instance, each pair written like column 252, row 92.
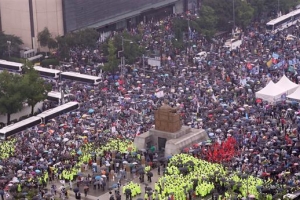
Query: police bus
column 52, row 113
column 11, row 130
column 47, row 73
column 11, row 66
column 73, row 76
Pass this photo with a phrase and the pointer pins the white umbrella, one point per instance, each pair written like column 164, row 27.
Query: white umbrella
column 65, row 139
column 125, row 162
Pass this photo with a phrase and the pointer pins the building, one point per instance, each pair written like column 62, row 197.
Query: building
column 26, row 18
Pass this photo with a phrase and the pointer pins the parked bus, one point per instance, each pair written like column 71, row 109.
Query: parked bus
column 52, row 113
column 73, row 76
column 47, row 73
column 284, row 21
column 56, row 96
column 11, row 130
column 11, row 66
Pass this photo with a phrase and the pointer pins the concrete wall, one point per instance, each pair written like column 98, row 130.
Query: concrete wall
column 15, row 19
column 47, row 13
column 178, row 7
column 25, row 111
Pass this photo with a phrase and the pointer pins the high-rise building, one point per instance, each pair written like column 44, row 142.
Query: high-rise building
column 26, row 18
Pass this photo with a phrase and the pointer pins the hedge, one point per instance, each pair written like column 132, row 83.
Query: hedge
column 47, row 62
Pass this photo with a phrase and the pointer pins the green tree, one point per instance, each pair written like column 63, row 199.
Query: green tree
column 15, row 42
column 11, row 94
column 113, row 62
column 207, row 21
column 44, row 37
column 245, row 14
column 86, row 37
column 34, row 87
column 132, row 47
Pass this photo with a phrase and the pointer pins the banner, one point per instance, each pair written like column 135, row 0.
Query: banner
column 159, row 94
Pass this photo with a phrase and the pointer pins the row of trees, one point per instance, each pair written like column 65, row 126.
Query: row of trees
column 16, row 89
column 84, row 38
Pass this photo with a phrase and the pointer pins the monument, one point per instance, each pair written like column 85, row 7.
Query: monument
column 168, row 133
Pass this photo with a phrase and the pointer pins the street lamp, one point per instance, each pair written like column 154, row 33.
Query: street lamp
column 8, row 47
column 233, row 15
column 123, row 57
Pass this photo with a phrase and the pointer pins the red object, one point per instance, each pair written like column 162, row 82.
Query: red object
column 219, row 153
column 258, row 100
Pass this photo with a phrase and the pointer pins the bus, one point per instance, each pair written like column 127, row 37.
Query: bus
column 11, row 66
column 11, row 130
column 47, row 73
column 73, row 76
column 52, row 113
column 56, row 96
column 283, row 22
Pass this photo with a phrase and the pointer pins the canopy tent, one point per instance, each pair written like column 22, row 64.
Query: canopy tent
column 288, row 85
column 295, row 95
column 271, row 93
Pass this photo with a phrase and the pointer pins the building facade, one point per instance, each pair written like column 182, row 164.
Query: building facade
column 26, row 18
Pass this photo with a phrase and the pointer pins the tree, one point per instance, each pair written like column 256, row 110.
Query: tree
column 207, row 21
column 15, row 42
column 132, row 47
column 44, row 37
column 11, row 94
column 245, row 14
column 34, row 87
column 113, row 62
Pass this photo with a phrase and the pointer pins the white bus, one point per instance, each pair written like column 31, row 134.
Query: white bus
column 52, row 113
column 73, row 76
column 56, row 96
column 47, row 73
column 11, row 130
column 11, row 66
column 283, row 22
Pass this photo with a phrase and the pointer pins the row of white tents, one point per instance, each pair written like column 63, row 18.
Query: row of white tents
column 282, row 90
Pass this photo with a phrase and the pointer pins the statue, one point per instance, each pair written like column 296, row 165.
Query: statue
column 167, row 119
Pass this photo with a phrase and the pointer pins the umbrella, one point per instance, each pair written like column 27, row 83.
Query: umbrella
column 76, row 190
column 91, row 110
column 98, row 177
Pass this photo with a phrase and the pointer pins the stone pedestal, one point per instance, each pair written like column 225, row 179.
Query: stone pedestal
column 174, row 142
column 167, row 120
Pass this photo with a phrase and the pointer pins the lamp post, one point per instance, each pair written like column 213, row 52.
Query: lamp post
column 233, row 16
column 278, row 7
column 123, row 57
column 8, row 47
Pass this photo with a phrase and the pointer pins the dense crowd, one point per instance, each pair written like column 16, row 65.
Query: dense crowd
column 216, row 94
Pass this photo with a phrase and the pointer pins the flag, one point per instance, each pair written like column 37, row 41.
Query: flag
column 269, row 63
column 275, row 55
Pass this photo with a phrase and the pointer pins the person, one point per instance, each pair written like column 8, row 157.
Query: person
column 77, row 195
column 158, row 170
column 111, row 196
column 86, row 189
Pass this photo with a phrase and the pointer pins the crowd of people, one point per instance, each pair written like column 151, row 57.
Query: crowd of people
column 216, row 93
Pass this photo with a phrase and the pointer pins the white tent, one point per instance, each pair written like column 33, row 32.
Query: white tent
column 295, row 95
column 271, row 92
column 288, row 85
